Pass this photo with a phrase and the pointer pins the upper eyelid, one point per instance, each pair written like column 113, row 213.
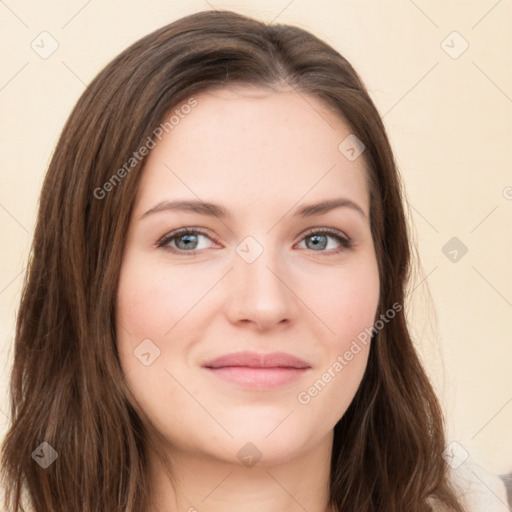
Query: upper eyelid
column 326, row 230
column 171, row 235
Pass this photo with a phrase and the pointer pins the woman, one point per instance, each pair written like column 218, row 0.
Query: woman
column 271, row 366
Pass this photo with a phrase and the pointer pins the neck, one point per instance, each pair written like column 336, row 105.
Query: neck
column 200, row 483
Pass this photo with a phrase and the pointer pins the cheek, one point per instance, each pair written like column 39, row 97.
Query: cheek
column 141, row 316
column 346, row 300
column 152, row 299
column 350, row 312
column 158, row 311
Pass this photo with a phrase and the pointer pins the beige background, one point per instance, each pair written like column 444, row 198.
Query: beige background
column 450, row 124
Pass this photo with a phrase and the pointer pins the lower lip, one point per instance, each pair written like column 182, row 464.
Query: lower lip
column 260, row 378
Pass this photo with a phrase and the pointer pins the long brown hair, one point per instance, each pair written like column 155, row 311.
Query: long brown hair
column 67, row 386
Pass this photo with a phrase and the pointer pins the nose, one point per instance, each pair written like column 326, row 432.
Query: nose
column 261, row 293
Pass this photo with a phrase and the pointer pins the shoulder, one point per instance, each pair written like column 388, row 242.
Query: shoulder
column 480, row 490
column 507, row 482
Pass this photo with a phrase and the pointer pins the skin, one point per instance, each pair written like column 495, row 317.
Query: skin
column 261, row 154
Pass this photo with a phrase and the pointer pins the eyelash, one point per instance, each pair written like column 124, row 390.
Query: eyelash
column 163, row 242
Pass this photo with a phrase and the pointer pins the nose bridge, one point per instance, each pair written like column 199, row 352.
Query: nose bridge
column 260, row 291
column 257, row 265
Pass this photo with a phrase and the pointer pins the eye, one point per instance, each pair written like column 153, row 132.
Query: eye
column 319, row 240
column 187, row 240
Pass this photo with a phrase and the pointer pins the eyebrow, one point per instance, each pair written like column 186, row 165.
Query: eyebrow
column 216, row 210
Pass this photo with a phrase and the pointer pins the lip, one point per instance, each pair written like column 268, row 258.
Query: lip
column 259, row 371
column 255, row 360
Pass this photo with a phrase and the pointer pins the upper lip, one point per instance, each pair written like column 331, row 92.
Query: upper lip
column 255, row 360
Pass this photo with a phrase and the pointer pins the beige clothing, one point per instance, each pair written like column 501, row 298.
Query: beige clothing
column 482, row 491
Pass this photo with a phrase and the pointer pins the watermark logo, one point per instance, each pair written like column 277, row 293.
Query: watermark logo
column 146, row 352
column 44, row 455
column 454, row 45
column 249, row 249
column 249, row 454
column 454, row 249
column 455, row 455
column 45, row 45
column 351, row 147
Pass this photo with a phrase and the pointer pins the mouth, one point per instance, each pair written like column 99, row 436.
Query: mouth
column 258, row 371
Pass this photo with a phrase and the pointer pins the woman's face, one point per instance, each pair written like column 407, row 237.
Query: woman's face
column 256, row 279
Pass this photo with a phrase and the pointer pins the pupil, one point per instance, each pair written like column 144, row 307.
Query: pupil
column 188, row 240
column 319, row 244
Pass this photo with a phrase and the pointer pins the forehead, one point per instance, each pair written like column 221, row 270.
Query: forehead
column 245, row 145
